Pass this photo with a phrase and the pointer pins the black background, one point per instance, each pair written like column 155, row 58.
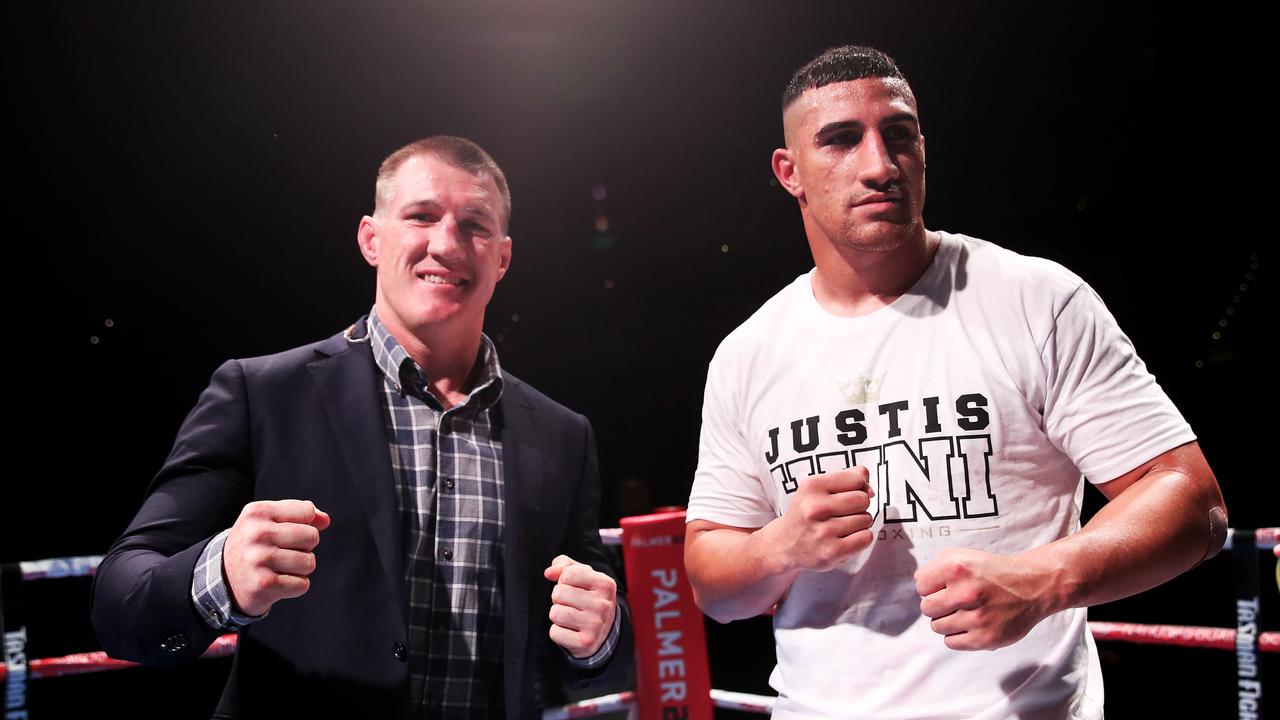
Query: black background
column 187, row 179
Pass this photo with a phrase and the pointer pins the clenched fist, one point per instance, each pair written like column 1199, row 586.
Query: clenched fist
column 267, row 555
column 827, row 521
column 583, row 604
column 982, row 601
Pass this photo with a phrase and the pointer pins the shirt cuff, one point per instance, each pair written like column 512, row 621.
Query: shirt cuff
column 209, row 592
column 602, row 655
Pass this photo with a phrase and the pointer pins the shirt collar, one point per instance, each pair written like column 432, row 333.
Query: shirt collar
column 408, row 378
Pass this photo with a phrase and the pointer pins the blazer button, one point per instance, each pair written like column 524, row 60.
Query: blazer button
column 175, row 643
column 400, row 651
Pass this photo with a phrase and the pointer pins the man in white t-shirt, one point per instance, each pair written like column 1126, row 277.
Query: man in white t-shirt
column 893, row 446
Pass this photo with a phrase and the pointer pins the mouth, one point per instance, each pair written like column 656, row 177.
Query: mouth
column 437, row 279
column 879, row 200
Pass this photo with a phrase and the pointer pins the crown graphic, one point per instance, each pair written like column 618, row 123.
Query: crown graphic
column 861, row 390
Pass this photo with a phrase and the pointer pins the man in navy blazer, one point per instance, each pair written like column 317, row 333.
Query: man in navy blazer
column 396, row 526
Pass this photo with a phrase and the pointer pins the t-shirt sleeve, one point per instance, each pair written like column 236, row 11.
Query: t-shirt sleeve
column 727, row 488
column 1102, row 407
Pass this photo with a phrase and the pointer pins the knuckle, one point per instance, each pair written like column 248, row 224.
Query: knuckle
column 263, row 583
column 252, row 556
column 259, row 532
column 603, row 586
column 603, row 608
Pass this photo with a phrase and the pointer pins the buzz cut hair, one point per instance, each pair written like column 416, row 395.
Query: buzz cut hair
column 840, row 64
column 457, row 151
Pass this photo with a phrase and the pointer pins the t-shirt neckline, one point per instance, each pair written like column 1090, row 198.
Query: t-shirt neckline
column 820, row 317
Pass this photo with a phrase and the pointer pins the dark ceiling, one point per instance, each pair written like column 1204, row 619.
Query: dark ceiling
column 191, row 176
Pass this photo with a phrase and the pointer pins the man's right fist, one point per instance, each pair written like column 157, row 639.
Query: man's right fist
column 267, row 555
column 827, row 521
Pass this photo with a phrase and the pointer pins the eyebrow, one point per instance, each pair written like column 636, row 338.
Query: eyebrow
column 424, row 203
column 479, row 211
column 839, row 125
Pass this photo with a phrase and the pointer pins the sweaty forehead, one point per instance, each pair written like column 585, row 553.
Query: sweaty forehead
column 866, row 100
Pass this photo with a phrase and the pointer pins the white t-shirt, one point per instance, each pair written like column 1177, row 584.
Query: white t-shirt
column 976, row 400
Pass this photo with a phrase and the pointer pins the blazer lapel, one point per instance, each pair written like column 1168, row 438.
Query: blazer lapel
column 347, row 383
column 522, row 473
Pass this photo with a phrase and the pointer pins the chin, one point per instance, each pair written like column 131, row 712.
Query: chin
column 874, row 243
column 882, row 236
column 415, row 318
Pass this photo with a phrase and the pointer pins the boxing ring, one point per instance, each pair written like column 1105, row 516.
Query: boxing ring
column 672, row 669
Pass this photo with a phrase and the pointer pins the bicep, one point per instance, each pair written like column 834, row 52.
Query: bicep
column 1186, row 460
column 584, row 545
column 1102, row 407
column 727, row 484
column 710, row 542
column 206, row 479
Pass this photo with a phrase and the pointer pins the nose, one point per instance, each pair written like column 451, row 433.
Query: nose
column 876, row 166
column 447, row 241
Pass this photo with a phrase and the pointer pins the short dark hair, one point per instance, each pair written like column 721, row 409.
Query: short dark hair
column 840, row 64
column 457, row 151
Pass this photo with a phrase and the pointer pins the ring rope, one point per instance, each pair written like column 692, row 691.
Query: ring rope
column 1175, row 635
column 68, row 567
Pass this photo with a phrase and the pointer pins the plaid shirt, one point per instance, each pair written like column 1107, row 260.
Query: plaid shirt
column 448, row 473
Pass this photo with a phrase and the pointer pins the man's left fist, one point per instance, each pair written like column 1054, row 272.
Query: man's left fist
column 583, row 604
column 982, row 601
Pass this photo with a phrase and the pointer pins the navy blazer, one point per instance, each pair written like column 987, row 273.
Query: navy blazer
column 308, row 424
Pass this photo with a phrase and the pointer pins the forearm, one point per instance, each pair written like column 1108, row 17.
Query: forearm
column 1153, row 529
column 734, row 572
column 142, row 606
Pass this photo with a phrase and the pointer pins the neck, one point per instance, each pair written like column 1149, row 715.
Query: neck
column 446, row 354
column 853, row 281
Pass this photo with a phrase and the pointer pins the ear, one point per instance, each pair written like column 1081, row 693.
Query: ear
column 367, row 239
column 784, row 168
column 923, row 162
column 504, row 257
